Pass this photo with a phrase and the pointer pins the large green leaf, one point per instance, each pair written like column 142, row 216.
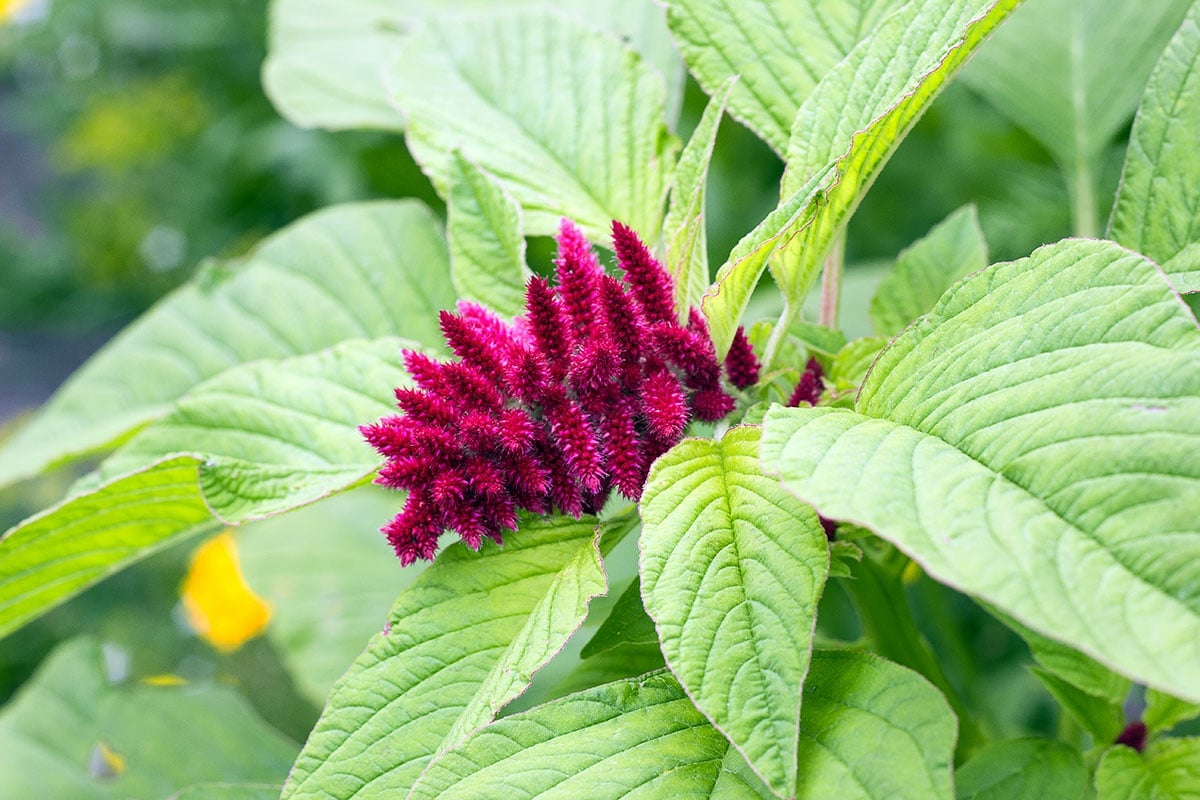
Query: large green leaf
column 1168, row 770
column 841, row 138
column 487, row 244
column 1023, row 769
column 860, row 112
column 732, row 568
column 570, row 120
column 779, row 48
column 463, row 640
column 362, row 270
column 1070, row 72
column 1158, row 209
column 327, row 57
column 259, row 439
column 685, row 229
column 1035, row 441
column 873, row 730
column 954, row 248
column 1164, row 712
column 329, row 577
column 83, row 731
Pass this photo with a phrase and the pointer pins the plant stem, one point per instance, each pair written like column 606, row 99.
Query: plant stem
column 778, row 335
column 831, row 281
column 1083, row 199
column 877, row 592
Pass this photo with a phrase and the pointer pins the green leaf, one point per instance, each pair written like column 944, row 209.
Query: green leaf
column 685, row 229
column 627, row 624
column 779, row 48
column 1157, row 211
column 487, row 246
column 639, row 737
column 261, row 438
column 464, row 640
column 873, row 730
column 1070, row 665
column 859, row 113
column 1164, row 712
column 361, row 270
column 732, row 568
column 329, row 577
column 274, row 435
column 1023, row 769
column 1070, row 72
column 954, row 248
column 570, row 120
column 1168, row 770
column 1101, row 718
column 228, row 791
column 80, row 729
column 1033, row 441
column 326, row 58
column 851, row 363
column 50, row 557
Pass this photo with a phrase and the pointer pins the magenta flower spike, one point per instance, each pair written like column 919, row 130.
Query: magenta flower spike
column 554, row 411
column 808, row 389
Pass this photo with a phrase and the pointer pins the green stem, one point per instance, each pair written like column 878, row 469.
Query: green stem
column 831, row 282
column 778, row 335
column 1083, row 200
column 878, row 594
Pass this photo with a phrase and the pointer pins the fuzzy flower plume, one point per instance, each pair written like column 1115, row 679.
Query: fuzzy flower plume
column 553, row 412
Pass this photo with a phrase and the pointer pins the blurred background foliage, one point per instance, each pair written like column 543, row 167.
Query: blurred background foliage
column 136, row 141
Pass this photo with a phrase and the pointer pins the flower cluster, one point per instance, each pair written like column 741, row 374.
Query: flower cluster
column 553, row 412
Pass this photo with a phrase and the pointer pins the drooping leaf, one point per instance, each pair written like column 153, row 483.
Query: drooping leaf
column 262, row 438
column 1023, row 769
column 1070, row 72
column 1157, row 211
column 78, row 730
column 685, row 228
column 627, row 624
column 872, row 731
column 1164, row 712
column 1168, row 770
column 954, row 248
column 570, row 120
column 326, row 58
column 487, row 246
column 779, row 48
column 330, row 579
column 464, row 640
column 360, row 270
column 841, row 137
column 860, row 112
column 732, row 568
column 1043, row 421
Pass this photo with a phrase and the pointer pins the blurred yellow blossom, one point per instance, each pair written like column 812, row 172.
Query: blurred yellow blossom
column 220, row 607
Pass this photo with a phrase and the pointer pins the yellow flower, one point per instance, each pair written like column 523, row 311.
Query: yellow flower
column 220, row 607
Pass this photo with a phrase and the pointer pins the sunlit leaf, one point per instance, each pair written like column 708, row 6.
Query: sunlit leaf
column 1158, row 209
column 262, row 438
column 463, row 640
column 361, row 270
column 487, row 247
column 732, row 567
column 779, row 48
column 873, row 731
column 570, row 120
column 1035, row 441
